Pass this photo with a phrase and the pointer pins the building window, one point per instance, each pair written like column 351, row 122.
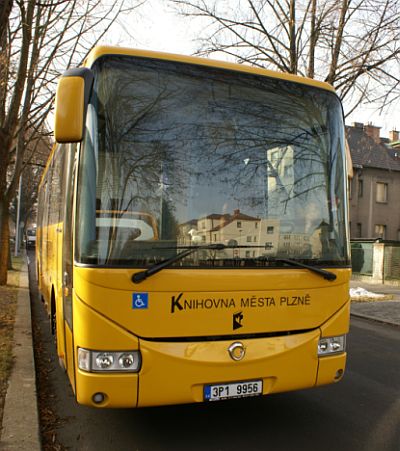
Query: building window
column 249, row 239
column 360, row 188
column 256, row 225
column 247, row 254
column 380, row 231
column 239, row 224
column 359, row 230
column 274, row 157
column 381, row 192
column 215, row 237
column 270, row 230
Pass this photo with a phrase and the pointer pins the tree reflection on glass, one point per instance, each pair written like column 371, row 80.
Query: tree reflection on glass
column 199, row 151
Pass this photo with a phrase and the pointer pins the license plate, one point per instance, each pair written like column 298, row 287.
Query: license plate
column 234, row 390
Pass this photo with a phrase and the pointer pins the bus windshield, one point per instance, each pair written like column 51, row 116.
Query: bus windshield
column 178, row 155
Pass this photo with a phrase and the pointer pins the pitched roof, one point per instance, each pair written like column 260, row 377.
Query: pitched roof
column 365, row 152
column 228, row 219
column 217, row 216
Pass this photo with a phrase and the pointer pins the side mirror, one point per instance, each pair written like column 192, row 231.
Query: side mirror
column 72, row 98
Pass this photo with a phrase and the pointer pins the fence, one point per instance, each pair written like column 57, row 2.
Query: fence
column 376, row 261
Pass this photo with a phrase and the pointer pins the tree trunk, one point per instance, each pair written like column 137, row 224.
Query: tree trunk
column 313, row 40
column 5, row 11
column 292, row 37
column 10, row 267
column 4, row 241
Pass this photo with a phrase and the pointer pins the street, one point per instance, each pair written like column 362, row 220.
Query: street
column 362, row 412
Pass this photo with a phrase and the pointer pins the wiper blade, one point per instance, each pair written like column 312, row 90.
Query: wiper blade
column 322, row 272
column 143, row 275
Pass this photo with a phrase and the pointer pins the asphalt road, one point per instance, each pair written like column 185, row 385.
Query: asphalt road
column 362, row 412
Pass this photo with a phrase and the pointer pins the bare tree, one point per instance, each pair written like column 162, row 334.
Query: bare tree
column 38, row 147
column 5, row 11
column 352, row 44
column 39, row 39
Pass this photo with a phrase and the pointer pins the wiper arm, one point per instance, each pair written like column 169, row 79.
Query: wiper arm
column 143, row 275
column 322, row 272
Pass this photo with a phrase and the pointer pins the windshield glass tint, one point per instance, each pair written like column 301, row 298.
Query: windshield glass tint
column 177, row 155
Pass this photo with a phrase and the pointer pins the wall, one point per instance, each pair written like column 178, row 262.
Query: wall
column 376, row 262
column 367, row 212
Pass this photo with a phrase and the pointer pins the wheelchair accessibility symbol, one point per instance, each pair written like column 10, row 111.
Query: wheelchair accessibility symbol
column 140, row 301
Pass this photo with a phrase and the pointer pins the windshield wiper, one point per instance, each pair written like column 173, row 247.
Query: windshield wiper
column 321, row 272
column 143, row 275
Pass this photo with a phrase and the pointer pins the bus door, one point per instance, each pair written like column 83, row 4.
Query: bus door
column 66, row 260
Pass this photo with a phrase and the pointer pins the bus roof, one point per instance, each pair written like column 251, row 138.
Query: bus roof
column 100, row 51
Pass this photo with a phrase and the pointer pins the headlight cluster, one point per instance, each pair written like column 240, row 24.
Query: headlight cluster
column 104, row 361
column 331, row 345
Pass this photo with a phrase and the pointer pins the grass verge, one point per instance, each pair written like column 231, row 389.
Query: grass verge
column 8, row 308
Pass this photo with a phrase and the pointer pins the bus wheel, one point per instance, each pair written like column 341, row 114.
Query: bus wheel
column 53, row 319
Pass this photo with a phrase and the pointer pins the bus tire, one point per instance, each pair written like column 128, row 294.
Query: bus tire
column 53, row 318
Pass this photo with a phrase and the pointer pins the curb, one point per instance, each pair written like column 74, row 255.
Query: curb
column 20, row 418
column 375, row 319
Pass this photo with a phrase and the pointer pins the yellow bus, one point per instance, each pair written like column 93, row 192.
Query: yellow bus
column 192, row 230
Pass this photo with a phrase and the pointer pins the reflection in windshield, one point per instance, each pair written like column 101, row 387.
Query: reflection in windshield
column 209, row 156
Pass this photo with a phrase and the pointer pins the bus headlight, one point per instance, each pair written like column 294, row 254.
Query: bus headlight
column 331, row 345
column 105, row 361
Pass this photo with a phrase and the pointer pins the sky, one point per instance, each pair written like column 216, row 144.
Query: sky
column 158, row 27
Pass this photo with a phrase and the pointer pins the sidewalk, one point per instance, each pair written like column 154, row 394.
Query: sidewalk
column 382, row 311
column 21, row 421
column 20, row 418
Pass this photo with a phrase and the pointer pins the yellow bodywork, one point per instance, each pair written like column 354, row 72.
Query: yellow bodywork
column 176, row 371
column 100, row 51
column 69, row 108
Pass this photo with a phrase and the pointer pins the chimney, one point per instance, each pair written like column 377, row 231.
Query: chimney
column 394, row 136
column 236, row 212
column 373, row 132
column 358, row 125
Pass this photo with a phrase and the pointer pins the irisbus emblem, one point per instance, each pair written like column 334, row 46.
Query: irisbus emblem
column 237, row 350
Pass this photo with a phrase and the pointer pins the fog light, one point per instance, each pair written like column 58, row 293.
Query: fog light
column 331, row 345
column 98, row 398
column 339, row 374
